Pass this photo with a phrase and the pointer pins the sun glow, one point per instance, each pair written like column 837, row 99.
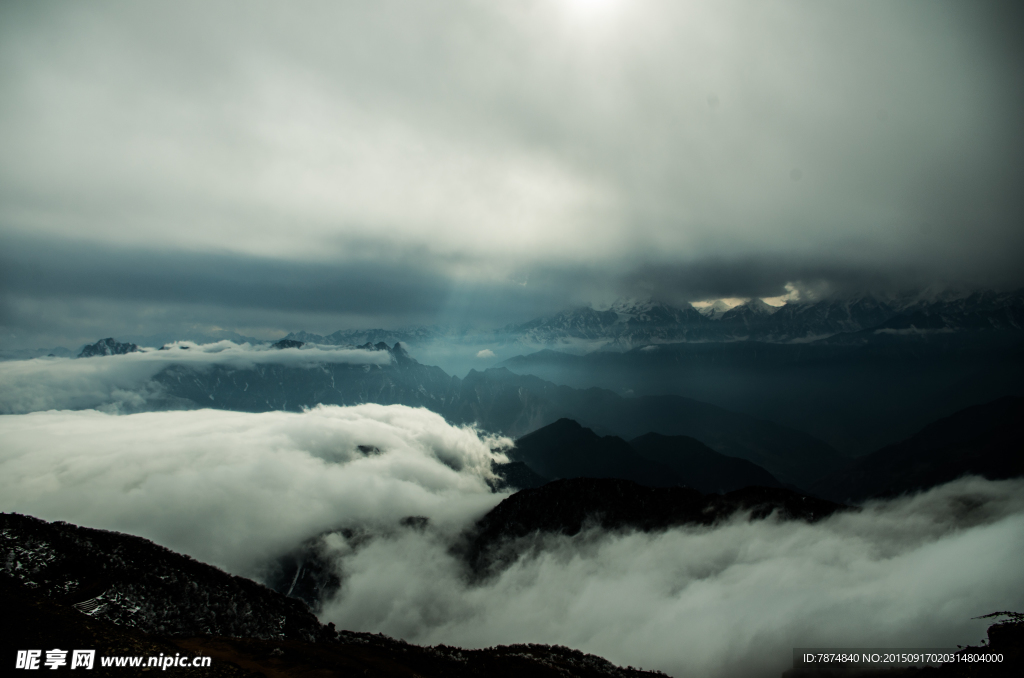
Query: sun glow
column 591, row 8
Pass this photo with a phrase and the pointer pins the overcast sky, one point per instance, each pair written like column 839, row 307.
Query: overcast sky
column 267, row 167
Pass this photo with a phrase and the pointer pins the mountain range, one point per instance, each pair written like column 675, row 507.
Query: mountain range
column 984, row 440
column 925, row 376
column 855, row 393
column 565, row 449
column 572, row 505
column 499, row 401
column 672, row 440
column 629, row 324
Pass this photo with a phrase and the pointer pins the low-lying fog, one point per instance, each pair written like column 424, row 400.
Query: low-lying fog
column 240, row 490
column 121, row 384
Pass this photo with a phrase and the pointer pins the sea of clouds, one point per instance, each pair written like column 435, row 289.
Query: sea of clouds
column 240, row 490
column 124, row 383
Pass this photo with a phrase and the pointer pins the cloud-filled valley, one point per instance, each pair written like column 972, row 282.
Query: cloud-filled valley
column 236, row 489
column 242, row 490
column 123, row 383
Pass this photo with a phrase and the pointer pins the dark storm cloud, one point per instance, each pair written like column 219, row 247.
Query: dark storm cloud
column 760, row 277
column 59, row 268
column 74, row 292
column 772, row 276
column 410, row 162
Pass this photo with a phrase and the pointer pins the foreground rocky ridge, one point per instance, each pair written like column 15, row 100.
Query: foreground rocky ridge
column 134, row 583
column 153, row 601
column 33, row 621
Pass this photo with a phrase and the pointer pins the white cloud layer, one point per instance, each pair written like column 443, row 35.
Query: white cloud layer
column 728, row 601
column 239, row 489
column 236, row 489
column 122, row 383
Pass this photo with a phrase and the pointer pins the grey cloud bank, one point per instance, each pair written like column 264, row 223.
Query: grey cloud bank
column 123, row 383
column 336, row 163
column 728, row 601
column 239, row 490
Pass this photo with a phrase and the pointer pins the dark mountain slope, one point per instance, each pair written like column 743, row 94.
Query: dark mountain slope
column 789, row 455
column 515, row 476
column 565, row 449
column 32, row 621
column 133, row 582
column 856, row 391
column 107, row 346
column 699, row 466
column 567, row 506
column 985, row 440
column 515, row 404
column 49, row 566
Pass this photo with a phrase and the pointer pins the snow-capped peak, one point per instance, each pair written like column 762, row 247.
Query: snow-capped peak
column 760, row 308
column 632, row 307
column 715, row 309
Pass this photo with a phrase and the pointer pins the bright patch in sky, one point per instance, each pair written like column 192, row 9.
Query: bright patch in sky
column 592, row 6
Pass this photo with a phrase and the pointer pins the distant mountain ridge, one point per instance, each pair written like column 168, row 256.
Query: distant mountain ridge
column 359, row 337
column 565, row 449
column 498, row 401
column 625, row 326
column 108, row 346
column 857, row 391
column 628, row 324
column 570, row 506
column 985, row 440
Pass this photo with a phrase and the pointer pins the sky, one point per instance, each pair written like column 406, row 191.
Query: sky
column 262, row 168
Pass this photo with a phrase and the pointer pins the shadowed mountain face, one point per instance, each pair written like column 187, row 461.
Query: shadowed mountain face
column 985, row 440
column 515, row 476
column 132, row 582
column 567, row 450
column 699, row 466
column 107, row 346
column 569, row 506
column 500, row 401
column 519, row 403
column 857, row 391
